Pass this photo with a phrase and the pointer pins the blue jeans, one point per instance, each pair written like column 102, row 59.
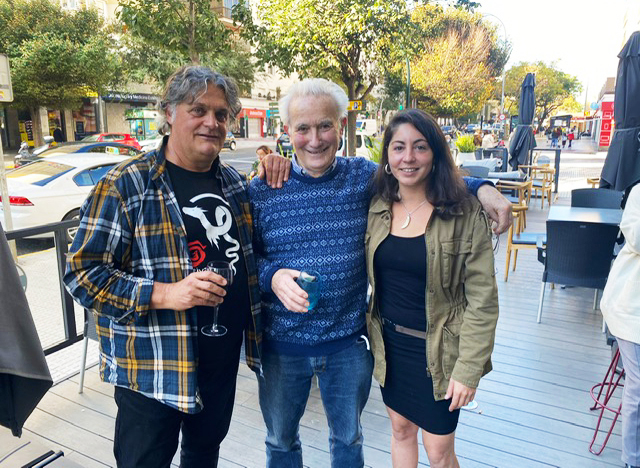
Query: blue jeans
column 630, row 353
column 344, row 379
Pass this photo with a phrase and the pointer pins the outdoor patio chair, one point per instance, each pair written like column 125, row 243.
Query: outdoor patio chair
column 576, row 254
column 522, row 196
column 89, row 333
column 596, row 198
column 516, row 239
column 480, row 172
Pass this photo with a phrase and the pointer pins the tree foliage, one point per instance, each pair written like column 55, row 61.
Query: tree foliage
column 162, row 36
column 553, row 86
column 349, row 41
column 56, row 57
column 458, row 63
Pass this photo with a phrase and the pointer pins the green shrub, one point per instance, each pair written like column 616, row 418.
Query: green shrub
column 465, row 144
column 375, row 152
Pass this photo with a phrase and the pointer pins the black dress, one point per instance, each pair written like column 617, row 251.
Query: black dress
column 401, row 276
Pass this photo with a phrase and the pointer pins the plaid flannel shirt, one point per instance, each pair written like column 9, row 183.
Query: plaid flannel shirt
column 132, row 234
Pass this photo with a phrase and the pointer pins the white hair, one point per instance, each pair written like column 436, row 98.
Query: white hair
column 314, row 87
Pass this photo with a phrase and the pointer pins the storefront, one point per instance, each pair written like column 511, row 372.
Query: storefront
column 142, row 123
column 117, row 105
column 85, row 121
column 252, row 123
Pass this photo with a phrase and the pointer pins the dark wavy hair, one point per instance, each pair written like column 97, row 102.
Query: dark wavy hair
column 445, row 187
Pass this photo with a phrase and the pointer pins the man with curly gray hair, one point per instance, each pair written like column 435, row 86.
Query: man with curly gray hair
column 139, row 262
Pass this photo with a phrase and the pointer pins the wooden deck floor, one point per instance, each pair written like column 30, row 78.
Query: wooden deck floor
column 533, row 408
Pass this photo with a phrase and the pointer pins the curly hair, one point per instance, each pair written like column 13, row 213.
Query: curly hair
column 445, row 189
column 190, row 82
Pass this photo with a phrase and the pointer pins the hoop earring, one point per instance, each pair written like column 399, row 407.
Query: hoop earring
column 387, row 169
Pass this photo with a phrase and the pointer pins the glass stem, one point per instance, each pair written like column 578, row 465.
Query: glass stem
column 214, row 326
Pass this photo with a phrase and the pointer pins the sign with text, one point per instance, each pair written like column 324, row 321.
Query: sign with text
column 355, row 105
column 6, row 91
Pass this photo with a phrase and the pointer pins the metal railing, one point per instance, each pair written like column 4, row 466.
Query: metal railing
column 71, row 335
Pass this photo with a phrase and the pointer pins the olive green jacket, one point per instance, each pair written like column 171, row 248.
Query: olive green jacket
column 461, row 295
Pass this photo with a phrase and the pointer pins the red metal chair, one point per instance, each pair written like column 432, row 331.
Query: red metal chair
column 608, row 385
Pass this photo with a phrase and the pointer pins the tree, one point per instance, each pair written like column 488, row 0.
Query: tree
column 349, row 41
column 552, row 86
column 458, row 63
column 162, row 36
column 57, row 57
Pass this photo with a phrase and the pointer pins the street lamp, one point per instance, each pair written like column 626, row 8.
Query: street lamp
column 503, row 68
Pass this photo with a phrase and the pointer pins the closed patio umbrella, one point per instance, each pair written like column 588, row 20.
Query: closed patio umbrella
column 622, row 166
column 24, row 375
column 523, row 140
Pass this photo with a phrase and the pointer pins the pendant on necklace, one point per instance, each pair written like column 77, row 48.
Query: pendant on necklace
column 406, row 222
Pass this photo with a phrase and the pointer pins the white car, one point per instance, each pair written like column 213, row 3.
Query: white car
column 363, row 144
column 53, row 189
column 151, row 143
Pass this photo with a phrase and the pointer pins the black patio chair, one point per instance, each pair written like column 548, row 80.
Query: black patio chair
column 576, row 254
column 596, row 198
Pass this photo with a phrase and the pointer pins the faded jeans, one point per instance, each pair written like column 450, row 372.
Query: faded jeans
column 630, row 353
column 344, row 379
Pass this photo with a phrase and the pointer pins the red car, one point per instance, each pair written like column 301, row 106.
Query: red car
column 115, row 138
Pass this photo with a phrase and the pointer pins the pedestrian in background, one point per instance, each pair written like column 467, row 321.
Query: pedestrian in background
column 571, row 136
column 261, row 152
column 563, row 135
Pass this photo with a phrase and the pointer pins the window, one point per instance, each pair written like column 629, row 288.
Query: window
column 91, row 176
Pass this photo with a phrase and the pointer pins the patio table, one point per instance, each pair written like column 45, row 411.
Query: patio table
column 585, row 215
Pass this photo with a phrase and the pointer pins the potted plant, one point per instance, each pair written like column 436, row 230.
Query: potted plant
column 466, row 148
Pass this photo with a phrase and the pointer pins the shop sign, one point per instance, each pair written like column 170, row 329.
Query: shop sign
column 254, row 113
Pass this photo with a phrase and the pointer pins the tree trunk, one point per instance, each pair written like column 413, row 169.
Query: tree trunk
column 351, row 122
column 193, row 53
column 38, row 137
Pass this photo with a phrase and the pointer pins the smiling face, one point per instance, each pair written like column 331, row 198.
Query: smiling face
column 410, row 157
column 315, row 127
column 198, row 130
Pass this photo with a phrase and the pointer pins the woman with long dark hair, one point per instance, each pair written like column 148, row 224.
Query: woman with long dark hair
column 433, row 313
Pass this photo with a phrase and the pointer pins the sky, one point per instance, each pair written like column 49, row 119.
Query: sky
column 584, row 37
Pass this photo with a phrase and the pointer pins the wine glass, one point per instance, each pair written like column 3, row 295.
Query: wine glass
column 223, row 269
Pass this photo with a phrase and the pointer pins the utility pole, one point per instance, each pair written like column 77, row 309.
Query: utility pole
column 6, row 95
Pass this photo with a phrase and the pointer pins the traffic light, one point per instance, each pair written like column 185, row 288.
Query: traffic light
column 400, row 107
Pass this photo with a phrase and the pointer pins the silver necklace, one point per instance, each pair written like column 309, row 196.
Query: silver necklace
column 409, row 213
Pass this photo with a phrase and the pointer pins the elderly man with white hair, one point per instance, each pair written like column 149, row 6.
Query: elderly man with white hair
column 317, row 221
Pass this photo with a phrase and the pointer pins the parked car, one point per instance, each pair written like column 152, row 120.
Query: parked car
column 53, row 189
column 471, row 128
column 151, row 143
column 363, row 144
column 79, row 147
column 449, row 130
column 114, row 138
column 284, row 146
column 230, row 142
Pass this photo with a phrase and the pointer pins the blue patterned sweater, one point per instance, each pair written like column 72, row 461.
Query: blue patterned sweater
column 319, row 224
